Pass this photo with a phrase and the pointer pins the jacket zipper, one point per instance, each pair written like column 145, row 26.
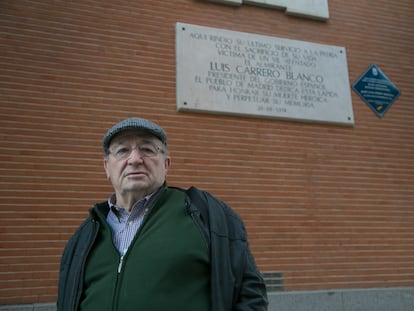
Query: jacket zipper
column 121, row 260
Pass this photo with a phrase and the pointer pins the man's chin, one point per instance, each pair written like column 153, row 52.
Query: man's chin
column 136, row 184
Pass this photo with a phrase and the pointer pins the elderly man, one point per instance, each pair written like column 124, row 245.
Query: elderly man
column 151, row 247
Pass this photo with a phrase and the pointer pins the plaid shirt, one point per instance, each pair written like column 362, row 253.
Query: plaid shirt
column 125, row 224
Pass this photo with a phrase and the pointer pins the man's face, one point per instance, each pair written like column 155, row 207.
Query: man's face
column 131, row 167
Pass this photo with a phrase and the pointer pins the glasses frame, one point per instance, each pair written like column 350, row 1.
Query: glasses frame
column 120, row 154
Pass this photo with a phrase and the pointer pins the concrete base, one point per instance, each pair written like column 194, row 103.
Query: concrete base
column 31, row 307
column 373, row 299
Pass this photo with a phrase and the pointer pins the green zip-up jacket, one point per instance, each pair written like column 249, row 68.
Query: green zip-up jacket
column 236, row 283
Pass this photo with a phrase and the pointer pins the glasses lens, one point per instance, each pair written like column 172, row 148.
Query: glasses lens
column 121, row 152
column 146, row 150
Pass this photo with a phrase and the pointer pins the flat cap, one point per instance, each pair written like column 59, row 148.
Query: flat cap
column 134, row 124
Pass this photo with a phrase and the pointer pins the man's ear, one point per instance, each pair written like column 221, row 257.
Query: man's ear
column 108, row 176
column 167, row 163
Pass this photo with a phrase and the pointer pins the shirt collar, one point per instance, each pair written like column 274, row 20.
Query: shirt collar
column 112, row 200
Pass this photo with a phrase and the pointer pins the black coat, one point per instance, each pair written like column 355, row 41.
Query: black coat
column 236, row 283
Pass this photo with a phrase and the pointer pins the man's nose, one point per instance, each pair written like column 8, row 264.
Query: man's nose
column 135, row 155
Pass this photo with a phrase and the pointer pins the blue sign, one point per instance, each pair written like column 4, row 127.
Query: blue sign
column 376, row 90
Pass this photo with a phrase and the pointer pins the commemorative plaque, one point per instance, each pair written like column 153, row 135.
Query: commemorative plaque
column 228, row 72
column 376, row 90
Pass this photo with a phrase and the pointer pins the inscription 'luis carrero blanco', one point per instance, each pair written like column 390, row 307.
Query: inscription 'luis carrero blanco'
column 220, row 71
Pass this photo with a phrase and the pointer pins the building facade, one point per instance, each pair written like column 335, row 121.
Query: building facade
column 329, row 209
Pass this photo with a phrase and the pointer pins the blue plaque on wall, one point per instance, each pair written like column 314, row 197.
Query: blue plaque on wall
column 376, row 90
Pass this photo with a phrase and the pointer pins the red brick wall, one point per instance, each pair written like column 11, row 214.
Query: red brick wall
column 328, row 206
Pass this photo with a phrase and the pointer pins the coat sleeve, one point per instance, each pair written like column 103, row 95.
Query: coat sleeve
column 235, row 273
column 252, row 295
column 72, row 264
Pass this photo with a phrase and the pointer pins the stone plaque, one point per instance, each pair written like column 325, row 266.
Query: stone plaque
column 228, row 72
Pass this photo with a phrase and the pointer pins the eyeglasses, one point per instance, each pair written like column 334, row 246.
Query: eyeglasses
column 145, row 151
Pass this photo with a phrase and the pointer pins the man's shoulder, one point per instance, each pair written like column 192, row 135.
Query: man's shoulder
column 207, row 199
column 217, row 212
column 87, row 226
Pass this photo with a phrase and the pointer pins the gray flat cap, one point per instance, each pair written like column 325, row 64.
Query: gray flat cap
column 134, row 124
